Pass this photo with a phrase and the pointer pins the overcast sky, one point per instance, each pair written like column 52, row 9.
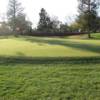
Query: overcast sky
column 61, row 8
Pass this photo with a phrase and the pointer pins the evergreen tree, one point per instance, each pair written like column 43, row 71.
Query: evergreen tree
column 44, row 24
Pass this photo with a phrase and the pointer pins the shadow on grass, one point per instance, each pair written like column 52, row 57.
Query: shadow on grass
column 48, row 60
column 67, row 43
column 20, row 54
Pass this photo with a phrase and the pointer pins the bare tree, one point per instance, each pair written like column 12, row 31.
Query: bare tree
column 14, row 9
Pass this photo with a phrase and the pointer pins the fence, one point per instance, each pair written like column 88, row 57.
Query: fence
column 56, row 34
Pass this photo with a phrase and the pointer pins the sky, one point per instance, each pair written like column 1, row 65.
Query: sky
column 61, row 8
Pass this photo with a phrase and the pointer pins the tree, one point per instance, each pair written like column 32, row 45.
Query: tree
column 74, row 27
column 44, row 24
column 55, row 24
column 4, row 28
column 64, row 27
column 88, row 15
column 14, row 10
column 23, row 26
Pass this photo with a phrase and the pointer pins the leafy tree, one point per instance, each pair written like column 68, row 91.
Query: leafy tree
column 64, row 27
column 74, row 27
column 88, row 15
column 55, row 24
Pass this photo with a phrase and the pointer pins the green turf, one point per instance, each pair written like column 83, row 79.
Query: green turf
column 49, row 47
column 50, row 81
column 33, row 68
column 96, row 35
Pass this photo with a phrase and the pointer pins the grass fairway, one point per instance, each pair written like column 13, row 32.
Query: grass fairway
column 34, row 68
column 49, row 47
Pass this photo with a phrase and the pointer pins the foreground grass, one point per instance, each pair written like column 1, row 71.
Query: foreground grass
column 52, row 81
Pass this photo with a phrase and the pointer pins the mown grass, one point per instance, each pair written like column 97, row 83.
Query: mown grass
column 49, row 47
column 52, row 81
column 96, row 35
column 85, row 36
column 33, row 68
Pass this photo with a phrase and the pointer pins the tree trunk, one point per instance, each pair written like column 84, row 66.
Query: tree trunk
column 89, row 34
column 89, row 8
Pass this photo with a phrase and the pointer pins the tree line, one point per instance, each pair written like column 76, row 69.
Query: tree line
column 17, row 23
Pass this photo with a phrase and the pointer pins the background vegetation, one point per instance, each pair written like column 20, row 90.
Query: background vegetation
column 87, row 20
